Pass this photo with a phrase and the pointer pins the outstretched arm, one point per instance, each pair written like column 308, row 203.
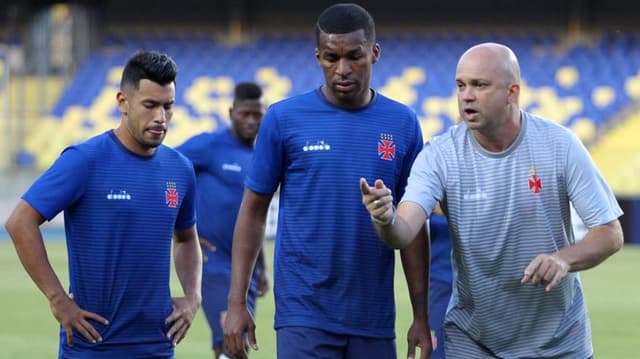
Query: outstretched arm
column 188, row 261
column 247, row 241
column 23, row 226
column 598, row 244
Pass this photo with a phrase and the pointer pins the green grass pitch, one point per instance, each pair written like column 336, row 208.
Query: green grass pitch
column 29, row 330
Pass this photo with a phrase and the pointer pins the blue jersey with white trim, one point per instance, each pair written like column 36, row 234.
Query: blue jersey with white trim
column 331, row 271
column 120, row 212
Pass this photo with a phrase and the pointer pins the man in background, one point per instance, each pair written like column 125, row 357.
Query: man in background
column 221, row 160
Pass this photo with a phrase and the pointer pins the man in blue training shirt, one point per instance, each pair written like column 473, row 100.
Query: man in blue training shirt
column 221, row 161
column 124, row 196
column 333, row 279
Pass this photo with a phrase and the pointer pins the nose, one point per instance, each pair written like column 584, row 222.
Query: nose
column 343, row 67
column 467, row 94
column 254, row 118
column 162, row 115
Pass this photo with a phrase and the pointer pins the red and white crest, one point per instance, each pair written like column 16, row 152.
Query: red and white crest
column 386, row 147
column 171, row 195
column 535, row 182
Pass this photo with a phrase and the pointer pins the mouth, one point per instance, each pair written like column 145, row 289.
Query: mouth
column 250, row 131
column 344, row 86
column 470, row 113
column 157, row 131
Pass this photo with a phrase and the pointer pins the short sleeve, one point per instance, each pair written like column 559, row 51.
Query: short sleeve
column 187, row 214
column 425, row 185
column 590, row 195
column 61, row 185
column 268, row 157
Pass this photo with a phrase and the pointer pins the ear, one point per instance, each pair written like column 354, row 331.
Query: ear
column 514, row 93
column 376, row 53
column 317, row 53
column 122, row 102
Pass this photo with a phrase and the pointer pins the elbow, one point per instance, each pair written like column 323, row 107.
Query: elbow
column 618, row 242
column 617, row 237
column 10, row 225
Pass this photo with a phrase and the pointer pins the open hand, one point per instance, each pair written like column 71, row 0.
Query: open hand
column 184, row 310
column 71, row 316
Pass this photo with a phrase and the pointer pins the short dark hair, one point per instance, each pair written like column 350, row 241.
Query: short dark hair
column 345, row 18
column 247, row 91
column 150, row 65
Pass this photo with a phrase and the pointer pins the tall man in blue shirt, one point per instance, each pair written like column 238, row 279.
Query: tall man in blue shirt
column 333, row 279
column 221, row 160
column 124, row 196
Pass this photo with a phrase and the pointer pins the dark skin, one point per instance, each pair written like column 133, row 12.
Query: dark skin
column 247, row 241
column 346, row 61
column 245, row 116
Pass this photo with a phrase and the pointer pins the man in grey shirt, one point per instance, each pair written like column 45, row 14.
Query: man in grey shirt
column 505, row 179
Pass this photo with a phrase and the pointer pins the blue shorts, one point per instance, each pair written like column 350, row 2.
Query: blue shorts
column 215, row 290
column 310, row 343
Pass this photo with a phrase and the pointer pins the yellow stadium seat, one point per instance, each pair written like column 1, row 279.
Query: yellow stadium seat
column 603, row 96
column 567, row 76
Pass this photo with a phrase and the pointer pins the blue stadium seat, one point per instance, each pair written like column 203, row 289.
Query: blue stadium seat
column 285, row 65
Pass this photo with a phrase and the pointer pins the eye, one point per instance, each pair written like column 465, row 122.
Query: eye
column 330, row 57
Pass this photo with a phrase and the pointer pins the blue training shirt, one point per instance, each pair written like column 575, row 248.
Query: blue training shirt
column 120, row 212
column 331, row 271
column 221, row 163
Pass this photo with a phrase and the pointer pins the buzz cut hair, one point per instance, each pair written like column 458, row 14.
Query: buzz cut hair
column 150, row 65
column 247, row 91
column 345, row 18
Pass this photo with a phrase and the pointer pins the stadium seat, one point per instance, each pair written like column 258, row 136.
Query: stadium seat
column 578, row 85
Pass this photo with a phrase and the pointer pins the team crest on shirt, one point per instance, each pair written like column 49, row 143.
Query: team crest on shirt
column 171, row 195
column 535, row 182
column 386, row 147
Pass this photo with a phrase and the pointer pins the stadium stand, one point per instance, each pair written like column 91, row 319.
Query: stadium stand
column 582, row 85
